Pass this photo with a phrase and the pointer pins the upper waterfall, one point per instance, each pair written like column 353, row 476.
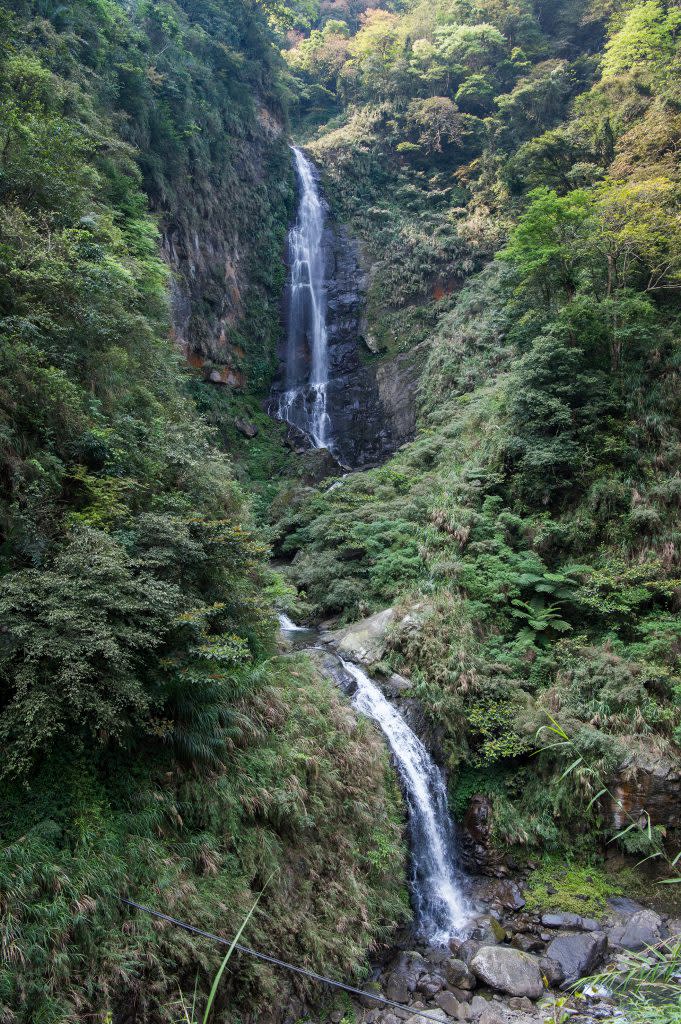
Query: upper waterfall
column 304, row 400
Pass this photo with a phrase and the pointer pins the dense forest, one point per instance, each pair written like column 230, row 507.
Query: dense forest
column 510, row 170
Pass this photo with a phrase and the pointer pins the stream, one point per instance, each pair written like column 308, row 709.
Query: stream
column 440, row 908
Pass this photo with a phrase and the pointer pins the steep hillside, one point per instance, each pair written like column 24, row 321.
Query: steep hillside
column 154, row 745
column 514, row 178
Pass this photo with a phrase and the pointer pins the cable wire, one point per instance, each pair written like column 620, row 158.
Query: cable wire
column 278, row 963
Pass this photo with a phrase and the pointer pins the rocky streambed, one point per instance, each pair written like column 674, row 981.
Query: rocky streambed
column 507, row 964
column 514, row 967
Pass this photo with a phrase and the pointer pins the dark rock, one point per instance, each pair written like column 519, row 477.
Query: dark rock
column 458, row 973
column 463, row 995
column 371, row 406
column 508, row 895
column 370, row 986
column 526, row 943
column 468, row 949
column 477, row 855
column 552, row 971
column 646, row 780
column 246, row 428
column 508, row 970
column 577, row 953
column 397, row 988
column 488, row 930
column 491, row 1015
column 437, row 955
column 561, row 920
column 478, row 1005
column 643, row 929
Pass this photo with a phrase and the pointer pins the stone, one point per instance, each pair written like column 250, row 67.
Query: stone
column 404, row 976
column 488, row 930
column 396, row 988
column 552, row 971
column 387, row 1018
column 448, row 1002
column 521, row 1003
column 491, row 1016
column 336, row 1017
column 436, row 1013
column 526, row 943
column 437, row 955
column 464, row 995
column 459, row 975
column 577, row 953
column 561, row 920
column 478, row 1005
column 641, row 930
column 468, row 949
column 509, row 896
column 464, row 1012
column 246, row 428
column 370, row 986
column 508, row 970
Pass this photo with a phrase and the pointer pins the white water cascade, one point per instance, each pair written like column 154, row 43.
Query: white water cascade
column 438, row 900
column 303, row 402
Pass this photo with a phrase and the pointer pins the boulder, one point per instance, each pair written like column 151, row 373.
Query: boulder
column 479, row 1005
column 458, row 975
column 404, row 976
column 246, row 428
column 508, row 970
column 364, row 641
column 577, row 953
column 508, row 895
column 491, row 1015
column 643, row 929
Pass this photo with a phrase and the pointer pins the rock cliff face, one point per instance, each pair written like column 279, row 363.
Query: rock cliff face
column 371, row 405
column 223, row 237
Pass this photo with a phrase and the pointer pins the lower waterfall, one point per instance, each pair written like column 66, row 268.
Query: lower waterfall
column 439, row 904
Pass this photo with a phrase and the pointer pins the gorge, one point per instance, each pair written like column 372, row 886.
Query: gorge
column 414, row 383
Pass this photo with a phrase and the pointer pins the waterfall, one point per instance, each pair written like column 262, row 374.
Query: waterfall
column 439, row 903
column 303, row 402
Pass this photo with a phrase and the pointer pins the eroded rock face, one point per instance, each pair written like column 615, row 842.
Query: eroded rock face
column 650, row 781
column 508, row 970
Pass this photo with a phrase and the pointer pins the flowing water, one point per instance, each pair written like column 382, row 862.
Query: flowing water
column 439, row 905
column 438, row 900
column 303, row 402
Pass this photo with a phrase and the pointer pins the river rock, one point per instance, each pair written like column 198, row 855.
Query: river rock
column 577, row 953
column 552, row 971
column 448, row 1002
column 459, row 975
column 478, row 1005
column 508, row 970
column 526, row 943
column 643, row 929
column 508, row 895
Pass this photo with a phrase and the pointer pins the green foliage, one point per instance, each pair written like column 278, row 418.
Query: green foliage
column 571, row 889
column 306, row 794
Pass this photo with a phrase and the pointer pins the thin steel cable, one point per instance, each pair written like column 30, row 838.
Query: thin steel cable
column 278, row 963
